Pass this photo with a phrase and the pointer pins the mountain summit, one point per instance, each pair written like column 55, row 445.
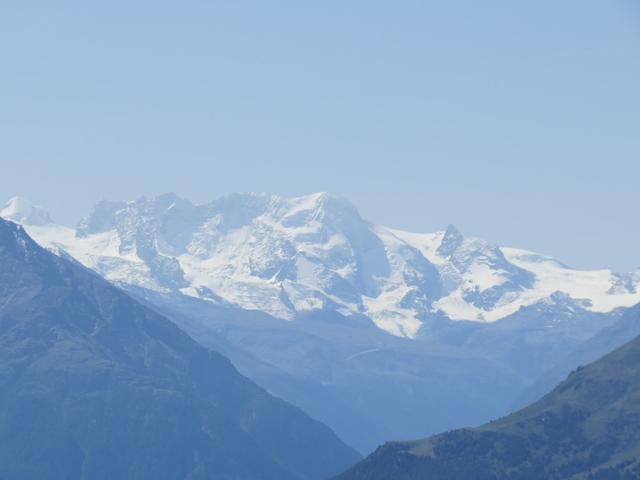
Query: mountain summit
column 20, row 210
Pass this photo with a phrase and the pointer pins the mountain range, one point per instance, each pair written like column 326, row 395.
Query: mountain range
column 366, row 328
column 291, row 256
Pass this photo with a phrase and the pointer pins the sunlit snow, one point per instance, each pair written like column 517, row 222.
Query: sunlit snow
column 287, row 256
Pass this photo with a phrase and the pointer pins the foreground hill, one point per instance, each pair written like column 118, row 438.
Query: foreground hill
column 587, row 428
column 93, row 385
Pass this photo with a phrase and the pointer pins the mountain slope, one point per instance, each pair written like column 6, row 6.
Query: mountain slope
column 290, row 257
column 586, row 428
column 94, row 385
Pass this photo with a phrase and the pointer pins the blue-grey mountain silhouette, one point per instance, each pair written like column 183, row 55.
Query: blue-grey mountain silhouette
column 94, row 385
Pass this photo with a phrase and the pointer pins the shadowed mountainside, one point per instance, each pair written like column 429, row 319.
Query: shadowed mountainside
column 93, row 385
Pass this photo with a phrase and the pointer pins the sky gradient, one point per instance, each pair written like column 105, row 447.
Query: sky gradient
column 515, row 121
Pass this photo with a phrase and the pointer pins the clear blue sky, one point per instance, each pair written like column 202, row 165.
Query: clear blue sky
column 517, row 121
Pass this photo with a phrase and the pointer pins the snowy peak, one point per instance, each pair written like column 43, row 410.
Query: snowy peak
column 101, row 219
column 321, row 207
column 476, row 277
column 20, row 210
column 154, row 231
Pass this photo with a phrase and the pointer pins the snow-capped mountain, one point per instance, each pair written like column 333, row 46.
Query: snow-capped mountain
column 292, row 256
column 22, row 211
